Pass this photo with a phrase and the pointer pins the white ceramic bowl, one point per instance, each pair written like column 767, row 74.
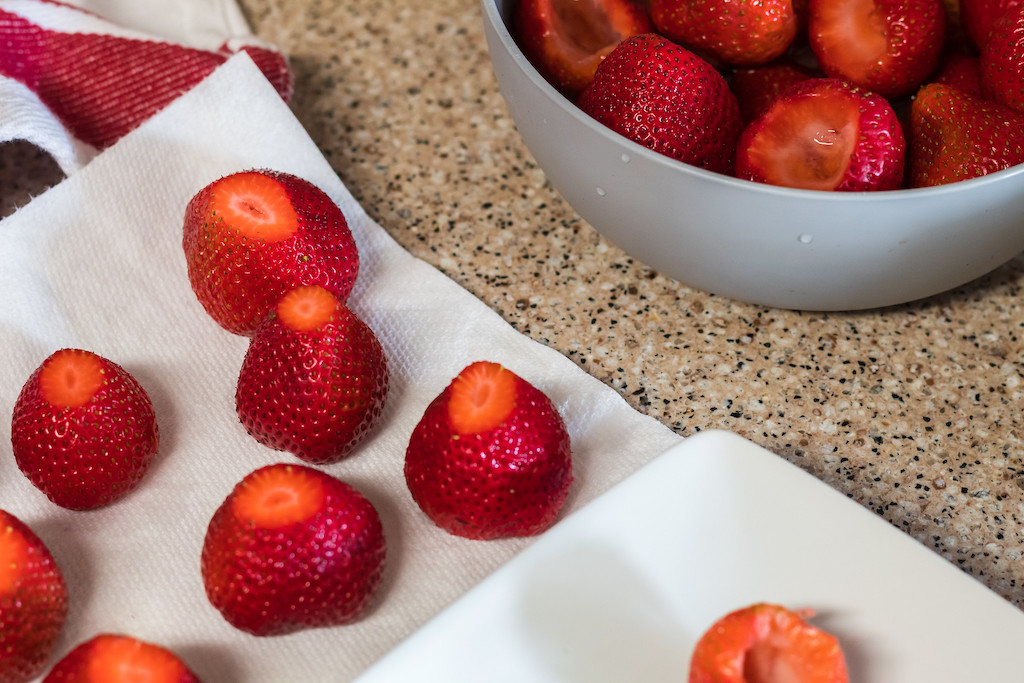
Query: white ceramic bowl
column 781, row 247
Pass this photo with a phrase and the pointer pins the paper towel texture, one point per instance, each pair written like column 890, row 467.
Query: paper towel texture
column 96, row 263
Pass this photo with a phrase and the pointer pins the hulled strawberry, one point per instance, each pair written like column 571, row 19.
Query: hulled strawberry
column 33, row 601
column 825, row 134
column 955, row 136
column 887, row 46
column 566, row 40
column 757, row 87
column 118, row 658
column 668, row 99
column 1002, row 59
column 490, row 458
column 292, row 548
column 252, row 236
column 314, row 380
column 737, row 33
column 766, row 642
column 978, row 16
column 83, row 431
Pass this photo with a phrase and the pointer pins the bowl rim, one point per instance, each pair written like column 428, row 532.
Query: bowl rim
column 493, row 16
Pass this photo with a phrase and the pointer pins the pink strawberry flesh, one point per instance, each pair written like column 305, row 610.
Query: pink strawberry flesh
column 823, row 134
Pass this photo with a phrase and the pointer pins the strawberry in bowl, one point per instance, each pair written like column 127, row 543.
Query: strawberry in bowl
column 760, row 237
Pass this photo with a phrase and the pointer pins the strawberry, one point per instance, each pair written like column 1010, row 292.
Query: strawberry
column 1002, row 59
column 33, row 601
column 954, row 136
column 767, row 642
column 117, row 658
column 757, row 87
column 292, row 548
column 962, row 70
column 490, row 458
column 737, row 33
column 252, row 236
column 978, row 16
column 84, row 431
column 887, row 46
column 668, row 99
column 314, row 379
column 566, row 41
column 824, row 134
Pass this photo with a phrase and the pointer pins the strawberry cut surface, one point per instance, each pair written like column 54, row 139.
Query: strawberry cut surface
column 482, row 397
column 566, row 39
column 306, row 308
column 889, row 47
column 766, row 643
column 71, row 378
column 824, row 134
column 256, row 205
column 117, row 658
column 807, row 147
column 276, row 497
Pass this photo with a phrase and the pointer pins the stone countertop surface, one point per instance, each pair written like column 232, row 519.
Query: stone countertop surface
column 914, row 411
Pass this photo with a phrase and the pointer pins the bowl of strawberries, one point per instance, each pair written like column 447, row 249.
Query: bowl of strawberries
column 810, row 155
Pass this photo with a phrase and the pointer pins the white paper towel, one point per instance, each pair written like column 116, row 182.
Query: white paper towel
column 96, row 263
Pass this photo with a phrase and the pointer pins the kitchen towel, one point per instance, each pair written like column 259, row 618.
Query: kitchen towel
column 96, row 262
column 73, row 82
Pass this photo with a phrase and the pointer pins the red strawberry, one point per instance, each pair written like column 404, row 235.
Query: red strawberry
column 490, row 458
column 757, row 87
column 666, row 98
column 84, row 431
column 963, row 71
column 954, row 136
column 566, row 41
column 116, row 658
column 314, row 380
column 825, row 134
column 738, row 33
column 887, row 46
column 978, row 16
column 33, row 601
column 292, row 548
column 766, row 642
column 252, row 236
column 1002, row 59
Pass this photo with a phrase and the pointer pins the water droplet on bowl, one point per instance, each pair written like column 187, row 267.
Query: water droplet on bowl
column 601, row 192
column 625, row 159
column 805, row 238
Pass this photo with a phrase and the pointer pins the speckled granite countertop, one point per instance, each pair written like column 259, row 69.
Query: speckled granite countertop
column 915, row 411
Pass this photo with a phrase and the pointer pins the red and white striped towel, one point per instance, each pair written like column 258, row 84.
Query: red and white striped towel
column 74, row 82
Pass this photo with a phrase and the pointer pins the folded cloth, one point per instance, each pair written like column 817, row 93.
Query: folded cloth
column 77, row 82
column 96, row 262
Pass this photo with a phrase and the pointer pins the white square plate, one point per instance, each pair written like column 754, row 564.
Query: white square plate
column 621, row 590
